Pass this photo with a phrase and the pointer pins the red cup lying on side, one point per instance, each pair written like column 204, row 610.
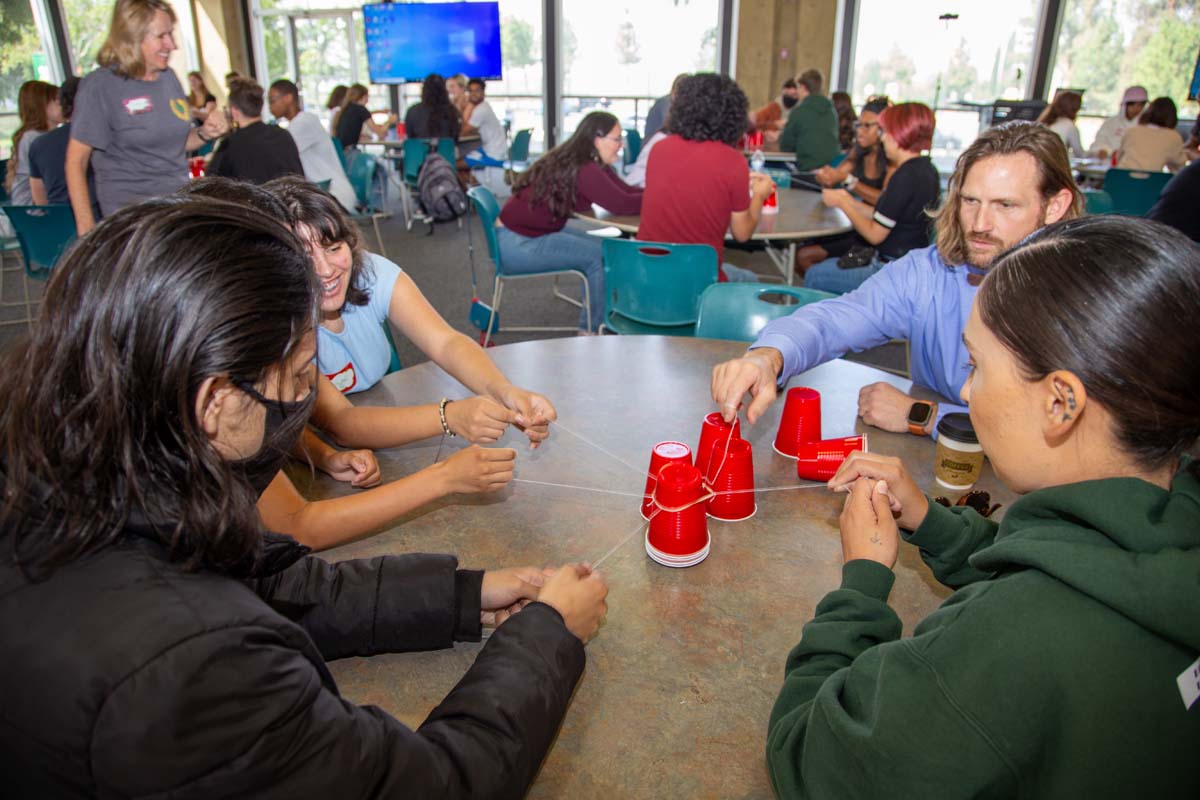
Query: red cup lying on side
column 678, row 533
column 819, row 461
column 800, row 422
column 734, row 475
column 714, row 429
column 663, row 453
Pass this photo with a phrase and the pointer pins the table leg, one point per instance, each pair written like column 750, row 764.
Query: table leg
column 784, row 263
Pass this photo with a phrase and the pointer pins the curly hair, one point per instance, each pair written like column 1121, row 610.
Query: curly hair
column 443, row 116
column 553, row 175
column 709, row 108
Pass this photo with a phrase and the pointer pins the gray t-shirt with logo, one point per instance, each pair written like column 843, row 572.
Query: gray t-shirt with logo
column 138, row 133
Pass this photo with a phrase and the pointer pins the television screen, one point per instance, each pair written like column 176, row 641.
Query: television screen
column 407, row 41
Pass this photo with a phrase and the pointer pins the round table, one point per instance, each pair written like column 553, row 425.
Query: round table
column 681, row 679
column 801, row 216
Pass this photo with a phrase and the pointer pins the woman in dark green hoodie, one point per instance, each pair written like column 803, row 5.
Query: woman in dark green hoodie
column 1066, row 663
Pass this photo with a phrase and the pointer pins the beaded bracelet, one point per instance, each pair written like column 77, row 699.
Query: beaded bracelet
column 442, row 417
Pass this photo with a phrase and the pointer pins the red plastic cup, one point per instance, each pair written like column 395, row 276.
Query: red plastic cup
column 819, row 461
column 771, row 204
column 714, row 428
column 756, row 138
column 401, row 133
column 801, row 420
column 735, row 474
column 678, row 536
column 663, row 453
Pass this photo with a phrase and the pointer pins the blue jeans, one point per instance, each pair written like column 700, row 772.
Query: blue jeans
column 738, row 275
column 827, row 277
column 566, row 249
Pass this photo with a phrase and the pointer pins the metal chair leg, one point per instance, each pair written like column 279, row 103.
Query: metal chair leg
column 497, row 290
column 378, row 235
column 562, row 296
column 587, row 305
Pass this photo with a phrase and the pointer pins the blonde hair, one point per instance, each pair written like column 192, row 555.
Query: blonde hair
column 122, row 50
column 461, row 79
column 1054, row 174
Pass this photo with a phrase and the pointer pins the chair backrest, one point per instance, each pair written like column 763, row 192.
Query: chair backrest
column 44, row 232
column 1134, row 192
column 324, row 185
column 519, row 151
column 341, row 152
column 362, row 175
column 633, row 145
column 1097, row 201
column 838, row 159
column 394, row 364
column 656, row 284
column 445, row 148
column 740, row 311
column 414, row 152
column 488, row 209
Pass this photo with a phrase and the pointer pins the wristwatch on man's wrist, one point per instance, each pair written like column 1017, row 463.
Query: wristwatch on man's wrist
column 920, row 414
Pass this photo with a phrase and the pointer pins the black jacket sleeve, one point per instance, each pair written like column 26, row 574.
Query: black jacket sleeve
column 241, row 711
column 388, row 604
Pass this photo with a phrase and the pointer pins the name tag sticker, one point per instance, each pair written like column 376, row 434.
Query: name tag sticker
column 1189, row 684
column 344, row 379
column 138, row 105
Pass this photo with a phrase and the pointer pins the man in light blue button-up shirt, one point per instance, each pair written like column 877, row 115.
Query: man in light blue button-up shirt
column 1012, row 180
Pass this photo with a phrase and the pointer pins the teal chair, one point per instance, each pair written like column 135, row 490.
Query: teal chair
column 341, row 152
column 324, row 185
column 838, row 159
column 518, row 151
column 739, row 311
column 1097, row 201
column 1134, row 192
column 653, row 288
column 633, row 146
column 362, row 178
column 43, row 234
column 412, row 155
column 8, row 240
column 394, row 364
column 488, row 209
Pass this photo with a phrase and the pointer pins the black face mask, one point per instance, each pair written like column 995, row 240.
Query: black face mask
column 281, row 430
column 788, row 101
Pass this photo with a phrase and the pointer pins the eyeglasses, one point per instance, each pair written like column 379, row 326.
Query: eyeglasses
column 617, row 139
column 980, row 501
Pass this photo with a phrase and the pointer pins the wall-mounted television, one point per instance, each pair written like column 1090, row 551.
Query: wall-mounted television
column 407, row 41
column 1194, row 90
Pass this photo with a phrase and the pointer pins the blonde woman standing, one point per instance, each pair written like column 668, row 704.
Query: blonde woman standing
column 133, row 122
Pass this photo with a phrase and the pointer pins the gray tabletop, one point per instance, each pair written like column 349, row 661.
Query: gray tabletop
column 681, row 679
column 801, row 215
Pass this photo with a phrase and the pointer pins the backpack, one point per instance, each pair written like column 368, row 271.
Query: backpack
column 438, row 188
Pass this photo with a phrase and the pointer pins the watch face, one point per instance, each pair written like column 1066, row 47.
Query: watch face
column 919, row 413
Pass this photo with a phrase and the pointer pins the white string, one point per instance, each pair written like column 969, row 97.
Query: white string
column 580, row 488
column 608, row 453
column 641, row 525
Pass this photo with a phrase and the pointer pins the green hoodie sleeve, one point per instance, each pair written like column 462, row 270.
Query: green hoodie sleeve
column 948, row 538
column 787, row 140
column 862, row 714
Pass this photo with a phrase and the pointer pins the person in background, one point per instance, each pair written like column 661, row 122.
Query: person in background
column 39, row 112
column 132, row 122
column 657, row 115
column 200, row 100
column 771, row 118
column 1180, row 199
column 1090, row 422
column 1012, row 180
column 1192, row 145
column 457, row 86
column 898, row 222
column 230, row 77
column 1153, row 143
column 48, row 155
column 812, row 128
column 333, row 104
column 175, row 352
column 354, row 117
column 318, row 155
column 1108, row 139
column 844, row 107
column 435, row 116
column 1059, row 117
column 864, row 172
column 635, row 173
column 493, row 142
column 533, row 234
column 689, row 206
column 254, row 152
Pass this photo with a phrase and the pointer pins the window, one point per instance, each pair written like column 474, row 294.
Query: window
column 87, row 28
column 616, row 56
column 25, row 55
column 1106, row 45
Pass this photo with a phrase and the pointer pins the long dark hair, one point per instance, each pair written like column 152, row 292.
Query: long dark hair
column 318, row 209
column 98, row 427
column 443, row 116
column 1108, row 298
column 553, row 175
column 707, row 107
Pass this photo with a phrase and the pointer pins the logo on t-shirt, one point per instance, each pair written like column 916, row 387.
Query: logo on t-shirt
column 138, row 105
column 344, row 379
column 179, row 108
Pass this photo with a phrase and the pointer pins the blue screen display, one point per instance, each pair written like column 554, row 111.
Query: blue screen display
column 407, row 41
